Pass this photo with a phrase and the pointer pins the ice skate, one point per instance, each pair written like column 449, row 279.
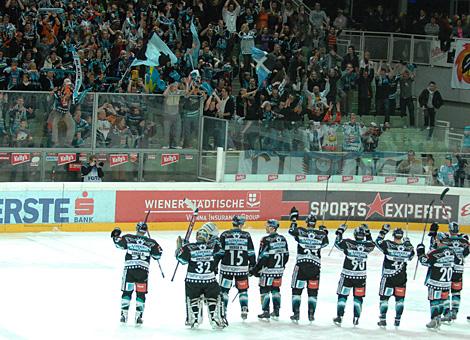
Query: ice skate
column 382, row 323
column 275, row 315
column 244, row 314
column 123, row 316
column 264, row 316
column 433, row 324
column 337, row 321
column 295, row 318
column 356, row 321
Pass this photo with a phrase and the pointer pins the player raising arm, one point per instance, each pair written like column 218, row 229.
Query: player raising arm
column 139, row 250
column 354, row 273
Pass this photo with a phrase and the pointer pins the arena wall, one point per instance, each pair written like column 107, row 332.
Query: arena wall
column 80, row 207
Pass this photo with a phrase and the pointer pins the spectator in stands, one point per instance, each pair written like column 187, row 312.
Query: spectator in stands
column 432, row 27
column 461, row 171
column 230, row 12
column 446, row 173
column 430, row 170
column 318, row 17
column 406, row 96
column 364, row 84
column 341, row 21
column 430, row 100
column 350, row 58
column 411, row 165
column 22, row 137
column 92, row 171
column 382, row 91
column 370, row 137
column 459, row 31
column 346, row 84
column 420, row 22
column 172, row 117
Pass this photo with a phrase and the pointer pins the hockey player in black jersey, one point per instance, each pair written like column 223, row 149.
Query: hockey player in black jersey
column 459, row 243
column 397, row 253
column 306, row 273
column 354, row 273
column 272, row 258
column 440, row 262
column 237, row 258
column 200, row 277
column 139, row 250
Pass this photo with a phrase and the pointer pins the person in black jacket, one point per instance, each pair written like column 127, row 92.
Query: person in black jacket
column 430, row 100
column 92, row 171
column 365, row 90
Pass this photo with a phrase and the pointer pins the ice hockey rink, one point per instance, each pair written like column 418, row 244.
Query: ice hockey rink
column 58, row 285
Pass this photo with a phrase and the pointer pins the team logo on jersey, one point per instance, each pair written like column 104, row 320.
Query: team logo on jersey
column 236, row 235
column 455, row 244
column 360, row 248
column 203, row 247
column 447, row 253
column 253, row 199
column 377, row 206
column 140, row 241
column 278, row 239
column 465, row 211
column 401, row 248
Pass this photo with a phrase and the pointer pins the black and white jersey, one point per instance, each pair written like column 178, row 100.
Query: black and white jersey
column 460, row 245
column 355, row 261
column 309, row 243
column 237, row 252
column 440, row 262
column 273, row 256
column 396, row 256
column 200, row 258
column 139, row 250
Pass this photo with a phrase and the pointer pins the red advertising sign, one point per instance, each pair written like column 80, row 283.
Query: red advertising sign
column 75, row 167
column 240, row 177
column 169, row 158
column 300, row 178
column 412, row 180
column 213, row 205
column 65, row 158
column 347, row 178
column 118, row 159
column 4, row 156
column 272, row 177
column 390, row 179
column 322, row 178
column 367, row 178
column 19, row 158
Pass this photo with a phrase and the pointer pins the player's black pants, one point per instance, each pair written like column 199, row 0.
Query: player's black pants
column 305, row 275
column 134, row 279
column 396, row 286
column 209, row 290
column 452, row 304
column 345, row 286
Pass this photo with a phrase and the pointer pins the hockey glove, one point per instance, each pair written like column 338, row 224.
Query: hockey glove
column 179, row 242
column 254, row 272
column 116, row 232
column 420, row 249
column 433, row 229
column 385, row 228
column 294, row 214
column 406, row 240
column 341, row 229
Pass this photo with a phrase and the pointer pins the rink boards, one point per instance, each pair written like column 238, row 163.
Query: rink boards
column 29, row 207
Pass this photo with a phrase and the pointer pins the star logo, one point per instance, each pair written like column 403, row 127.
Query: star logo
column 140, row 241
column 401, row 248
column 360, row 248
column 377, row 206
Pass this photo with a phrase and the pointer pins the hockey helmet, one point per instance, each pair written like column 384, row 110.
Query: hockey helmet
column 141, row 227
column 311, row 220
column 272, row 223
column 359, row 234
column 453, row 228
column 238, row 220
column 441, row 237
column 398, row 233
column 202, row 235
column 211, row 229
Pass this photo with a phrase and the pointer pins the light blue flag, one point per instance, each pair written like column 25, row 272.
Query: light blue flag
column 260, row 56
column 196, row 45
column 207, row 88
column 155, row 48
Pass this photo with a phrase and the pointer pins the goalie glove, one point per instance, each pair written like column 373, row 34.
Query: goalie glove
column 116, row 233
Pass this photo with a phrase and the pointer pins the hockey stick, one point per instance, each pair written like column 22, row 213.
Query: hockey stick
column 325, row 200
column 441, row 199
column 345, row 222
column 424, row 232
column 406, row 209
column 195, row 210
column 148, row 233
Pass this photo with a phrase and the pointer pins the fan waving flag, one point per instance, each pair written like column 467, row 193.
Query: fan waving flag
column 264, row 65
column 155, row 50
column 196, row 45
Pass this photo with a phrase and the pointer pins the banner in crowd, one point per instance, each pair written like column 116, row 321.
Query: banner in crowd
column 221, row 205
column 56, row 207
column 461, row 67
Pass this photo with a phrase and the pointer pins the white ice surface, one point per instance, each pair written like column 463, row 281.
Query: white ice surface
column 67, row 286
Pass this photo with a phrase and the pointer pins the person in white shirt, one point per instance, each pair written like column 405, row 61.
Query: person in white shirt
column 230, row 12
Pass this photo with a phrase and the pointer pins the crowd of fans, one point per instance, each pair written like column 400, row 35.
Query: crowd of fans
column 310, row 90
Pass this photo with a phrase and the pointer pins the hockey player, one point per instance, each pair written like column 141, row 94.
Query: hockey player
column 272, row 258
column 354, row 273
column 136, row 266
column 397, row 253
column 238, row 257
column 200, row 278
column 306, row 273
column 459, row 243
column 440, row 262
